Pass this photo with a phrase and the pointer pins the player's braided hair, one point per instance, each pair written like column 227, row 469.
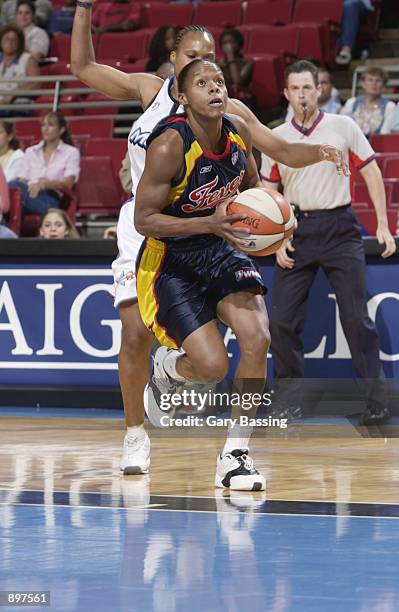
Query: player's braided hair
column 191, row 28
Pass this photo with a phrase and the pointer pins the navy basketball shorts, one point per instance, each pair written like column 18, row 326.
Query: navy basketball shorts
column 179, row 287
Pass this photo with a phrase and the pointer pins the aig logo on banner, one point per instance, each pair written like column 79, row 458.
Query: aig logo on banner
column 58, row 319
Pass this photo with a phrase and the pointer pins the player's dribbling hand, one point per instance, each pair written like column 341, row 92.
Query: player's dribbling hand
column 221, row 225
column 283, row 259
column 384, row 236
column 335, row 156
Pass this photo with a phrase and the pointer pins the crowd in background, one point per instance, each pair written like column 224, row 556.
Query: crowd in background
column 44, row 171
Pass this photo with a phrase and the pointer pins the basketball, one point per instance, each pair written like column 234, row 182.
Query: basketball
column 269, row 217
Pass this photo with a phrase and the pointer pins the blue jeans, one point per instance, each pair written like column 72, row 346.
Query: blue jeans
column 354, row 10
column 45, row 199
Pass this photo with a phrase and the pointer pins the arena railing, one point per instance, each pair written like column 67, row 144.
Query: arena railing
column 54, row 85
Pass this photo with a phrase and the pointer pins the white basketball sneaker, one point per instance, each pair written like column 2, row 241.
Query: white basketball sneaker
column 161, row 385
column 236, row 471
column 136, row 456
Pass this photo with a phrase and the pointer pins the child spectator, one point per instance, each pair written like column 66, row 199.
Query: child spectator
column 161, row 45
column 48, row 167
column 56, row 225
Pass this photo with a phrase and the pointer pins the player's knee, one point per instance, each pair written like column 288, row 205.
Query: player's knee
column 214, row 369
column 256, row 342
column 135, row 336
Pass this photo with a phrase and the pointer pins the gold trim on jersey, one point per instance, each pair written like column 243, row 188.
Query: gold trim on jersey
column 148, row 271
column 238, row 140
column 190, row 157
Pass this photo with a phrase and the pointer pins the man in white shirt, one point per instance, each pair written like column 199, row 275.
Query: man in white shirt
column 327, row 236
column 37, row 41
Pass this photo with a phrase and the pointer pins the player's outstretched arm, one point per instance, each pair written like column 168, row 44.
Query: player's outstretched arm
column 164, row 162
column 295, row 155
column 375, row 185
column 109, row 81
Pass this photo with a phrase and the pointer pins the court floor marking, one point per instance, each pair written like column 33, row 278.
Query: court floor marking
column 151, row 507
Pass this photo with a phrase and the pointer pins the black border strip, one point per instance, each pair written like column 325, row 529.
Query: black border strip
column 206, row 504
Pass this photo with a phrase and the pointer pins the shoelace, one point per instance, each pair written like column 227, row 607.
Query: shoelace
column 248, row 462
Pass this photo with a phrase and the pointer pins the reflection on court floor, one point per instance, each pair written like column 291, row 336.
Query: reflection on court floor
column 169, row 542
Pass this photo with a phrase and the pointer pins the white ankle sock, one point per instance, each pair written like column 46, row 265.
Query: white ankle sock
column 136, row 432
column 169, row 365
column 238, row 436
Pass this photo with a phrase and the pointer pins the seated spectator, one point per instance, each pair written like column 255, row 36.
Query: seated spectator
column 237, row 69
column 49, row 167
column 61, row 21
column 165, row 70
column 353, row 11
column 328, row 100
column 15, row 62
column 116, row 16
column 56, row 225
column 5, row 232
column 394, row 127
column 43, row 10
column 37, row 41
column 161, row 46
column 371, row 111
column 10, row 153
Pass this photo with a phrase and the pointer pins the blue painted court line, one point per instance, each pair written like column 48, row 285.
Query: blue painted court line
column 153, row 561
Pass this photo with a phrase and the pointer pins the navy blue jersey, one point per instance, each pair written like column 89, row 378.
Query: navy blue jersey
column 206, row 180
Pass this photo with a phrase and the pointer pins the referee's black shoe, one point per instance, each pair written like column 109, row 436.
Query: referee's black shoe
column 377, row 416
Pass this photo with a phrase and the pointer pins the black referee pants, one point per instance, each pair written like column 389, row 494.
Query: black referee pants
column 330, row 240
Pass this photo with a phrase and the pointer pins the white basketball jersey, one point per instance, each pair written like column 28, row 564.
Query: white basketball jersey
column 162, row 106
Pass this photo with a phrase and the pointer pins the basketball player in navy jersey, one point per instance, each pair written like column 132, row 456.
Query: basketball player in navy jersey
column 192, row 273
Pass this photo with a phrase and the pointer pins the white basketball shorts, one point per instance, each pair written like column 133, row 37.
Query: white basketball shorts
column 124, row 266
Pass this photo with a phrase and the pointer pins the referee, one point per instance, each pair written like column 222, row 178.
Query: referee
column 327, row 236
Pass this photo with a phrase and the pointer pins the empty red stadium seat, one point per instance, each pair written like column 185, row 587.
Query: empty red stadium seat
column 218, row 13
column 267, row 79
column 270, row 12
column 30, row 128
column 97, row 128
column 124, row 46
column 313, row 41
column 361, row 194
column 388, row 143
column 270, row 39
column 318, row 11
column 80, row 141
column 368, row 220
column 138, row 66
column 100, row 110
column 115, row 148
column 98, row 189
column 391, row 168
column 155, row 14
column 61, row 47
column 64, row 99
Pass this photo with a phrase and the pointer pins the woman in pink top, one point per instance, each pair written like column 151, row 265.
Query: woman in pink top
column 48, row 167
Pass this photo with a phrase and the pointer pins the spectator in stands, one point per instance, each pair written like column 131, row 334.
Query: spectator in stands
column 394, row 127
column 353, row 11
column 116, row 16
column 49, row 167
column 10, row 153
column 15, row 62
column 43, row 10
column 37, row 41
column 161, row 45
column 371, row 111
column 166, row 69
column 4, row 207
column 56, row 225
column 237, row 69
column 328, row 100
column 61, row 20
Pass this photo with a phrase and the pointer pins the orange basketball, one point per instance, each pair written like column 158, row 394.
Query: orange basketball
column 269, row 217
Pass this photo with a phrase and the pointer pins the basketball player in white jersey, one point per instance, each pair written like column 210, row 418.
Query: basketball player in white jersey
column 327, row 236
column 158, row 99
